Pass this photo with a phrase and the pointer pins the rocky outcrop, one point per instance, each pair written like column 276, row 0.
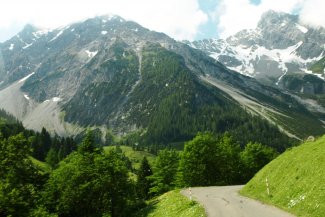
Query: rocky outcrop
column 280, row 44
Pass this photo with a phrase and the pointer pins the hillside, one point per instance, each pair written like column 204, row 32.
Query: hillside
column 318, row 67
column 172, row 204
column 296, row 180
column 44, row 167
column 134, row 156
column 301, row 83
column 280, row 44
column 127, row 81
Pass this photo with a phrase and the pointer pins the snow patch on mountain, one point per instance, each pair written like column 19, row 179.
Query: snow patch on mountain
column 302, row 28
column 42, row 32
column 26, row 97
column 57, row 35
column 35, row 35
column 91, row 54
column 22, row 41
column 279, row 44
column 27, row 46
column 279, row 79
column 108, row 18
column 56, row 99
column 283, row 24
column 245, row 59
column 247, row 55
column 25, row 78
column 11, row 46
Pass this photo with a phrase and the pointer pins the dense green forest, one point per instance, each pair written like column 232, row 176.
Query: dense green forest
column 163, row 100
column 91, row 181
column 45, row 147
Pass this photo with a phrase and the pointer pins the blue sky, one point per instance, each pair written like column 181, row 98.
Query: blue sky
column 255, row 2
column 208, row 29
column 180, row 19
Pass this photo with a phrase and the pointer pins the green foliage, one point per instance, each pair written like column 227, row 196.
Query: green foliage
column 143, row 181
column 20, row 179
column 293, row 114
column 43, row 166
column 254, row 157
column 10, row 127
column 135, row 156
column 165, row 169
column 319, row 66
column 41, row 144
column 89, row 184
column 172, row 204
column 208, row 161
column 7, row 118
column 198, row 161
column 164, row 99
column 88, row 144
column 117, row 76
column 59, row 149
column 296, row 180
column 253, row 129
column 228, row 160
column 42, row 212
column 185, row 106
column 303, row 83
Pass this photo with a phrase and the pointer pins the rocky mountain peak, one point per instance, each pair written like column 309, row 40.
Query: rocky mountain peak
column 280, row 44
column 109, row 72
column 273, row 19
column 281, row 30
column 28, row 33
column 28, row 29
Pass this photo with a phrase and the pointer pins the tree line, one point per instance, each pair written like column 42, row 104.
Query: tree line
column 92, row 182
column 207, row 160
column 51, row 149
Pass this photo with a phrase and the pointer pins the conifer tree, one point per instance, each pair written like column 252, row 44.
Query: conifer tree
column 143, row 183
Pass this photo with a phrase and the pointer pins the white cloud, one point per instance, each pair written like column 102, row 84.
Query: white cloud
column 180, row 19
column 232, row 16
column 313, row 13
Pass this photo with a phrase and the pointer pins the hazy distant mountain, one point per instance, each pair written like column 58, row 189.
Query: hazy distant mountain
column 120, row 77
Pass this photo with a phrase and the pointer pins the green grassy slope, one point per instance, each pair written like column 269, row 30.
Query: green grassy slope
column 135, row 156
column 172, row 204
column 42, row 165
column 318, row 67
column 296, row 180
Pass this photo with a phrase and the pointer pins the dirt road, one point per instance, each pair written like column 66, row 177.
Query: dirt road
column 226, row 202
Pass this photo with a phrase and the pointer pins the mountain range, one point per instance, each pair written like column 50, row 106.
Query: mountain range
column 279, row 45
column 127, row 81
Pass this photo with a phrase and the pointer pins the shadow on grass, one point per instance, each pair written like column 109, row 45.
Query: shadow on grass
column 150, row 208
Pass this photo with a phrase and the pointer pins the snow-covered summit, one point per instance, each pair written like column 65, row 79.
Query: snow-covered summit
column 280, row 44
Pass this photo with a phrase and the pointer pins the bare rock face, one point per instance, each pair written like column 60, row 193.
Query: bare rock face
column 280, row 44
column 114, row 74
